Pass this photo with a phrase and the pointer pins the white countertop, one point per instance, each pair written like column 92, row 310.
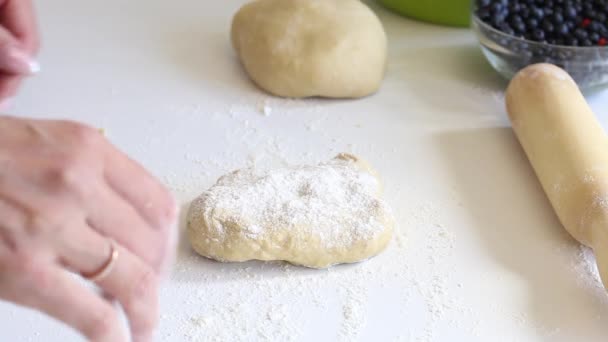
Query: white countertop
column 478, row 256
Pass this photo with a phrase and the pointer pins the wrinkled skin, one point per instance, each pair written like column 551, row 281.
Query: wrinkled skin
column 64, row 190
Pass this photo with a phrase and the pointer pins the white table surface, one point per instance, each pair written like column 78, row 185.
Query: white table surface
column 478, row 255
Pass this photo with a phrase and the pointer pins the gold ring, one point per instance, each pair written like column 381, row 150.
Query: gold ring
column 107, row 267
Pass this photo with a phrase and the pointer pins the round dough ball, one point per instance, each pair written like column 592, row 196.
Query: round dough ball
column 310, row 215
column 303, row 48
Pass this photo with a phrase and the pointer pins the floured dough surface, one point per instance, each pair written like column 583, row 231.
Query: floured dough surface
column 314, row 216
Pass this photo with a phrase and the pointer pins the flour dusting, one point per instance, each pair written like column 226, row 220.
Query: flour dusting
column 335, row 203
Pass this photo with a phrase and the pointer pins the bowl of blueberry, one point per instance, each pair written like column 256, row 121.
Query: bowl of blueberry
column 572, row 34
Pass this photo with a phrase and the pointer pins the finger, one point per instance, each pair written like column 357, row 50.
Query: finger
column 131, row 280
column 131, row 181
column 135, row 285
column 53, row 291
column 113, row 216
column 14, row 58
column 84, row 251
column 19, row 17
column 8, row 88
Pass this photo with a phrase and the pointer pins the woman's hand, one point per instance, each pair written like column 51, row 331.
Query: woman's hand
column 19, row 43
column 64, row 193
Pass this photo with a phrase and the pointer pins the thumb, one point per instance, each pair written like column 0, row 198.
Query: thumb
column 14, row 59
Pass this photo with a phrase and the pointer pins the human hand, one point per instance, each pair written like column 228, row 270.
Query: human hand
column 19, row 43
column 64, row 193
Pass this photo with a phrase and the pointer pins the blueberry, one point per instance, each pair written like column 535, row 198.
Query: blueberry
column 548, row 26
column 532, row 23
column 502, row 16
column 515, row 18
column 503, row 42
column 504, row 27
column 538, row 35
column 496, row 7
column 557, row 18
column 514, row 7
column 562, row 29
column 580, row 33
column 595, row 26
column 562, row 22
column 496, row 22
column 523, row 46
column 519, row 27
column 527, row 54
column 537, row 12
column 565, row 55
column 513, row 46
column 570, row 12
column 571, row 41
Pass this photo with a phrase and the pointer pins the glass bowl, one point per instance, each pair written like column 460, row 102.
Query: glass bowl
column 588, row 66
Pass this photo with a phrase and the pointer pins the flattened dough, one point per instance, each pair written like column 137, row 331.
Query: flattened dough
column 303, row 48
column 315, row 216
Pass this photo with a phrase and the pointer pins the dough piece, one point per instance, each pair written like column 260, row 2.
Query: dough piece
column 568, row 149
column 315, row 216
column 303, row 48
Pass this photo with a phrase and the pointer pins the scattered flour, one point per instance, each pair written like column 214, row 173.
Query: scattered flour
column 277, row 302
column 264, row 107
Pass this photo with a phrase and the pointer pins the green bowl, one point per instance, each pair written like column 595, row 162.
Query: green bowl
column 445, row 12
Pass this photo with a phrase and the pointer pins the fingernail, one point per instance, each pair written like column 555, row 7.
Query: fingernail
column 6, row 104
column 18, row 61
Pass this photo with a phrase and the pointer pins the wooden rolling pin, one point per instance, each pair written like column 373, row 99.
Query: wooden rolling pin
column 568, row 150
